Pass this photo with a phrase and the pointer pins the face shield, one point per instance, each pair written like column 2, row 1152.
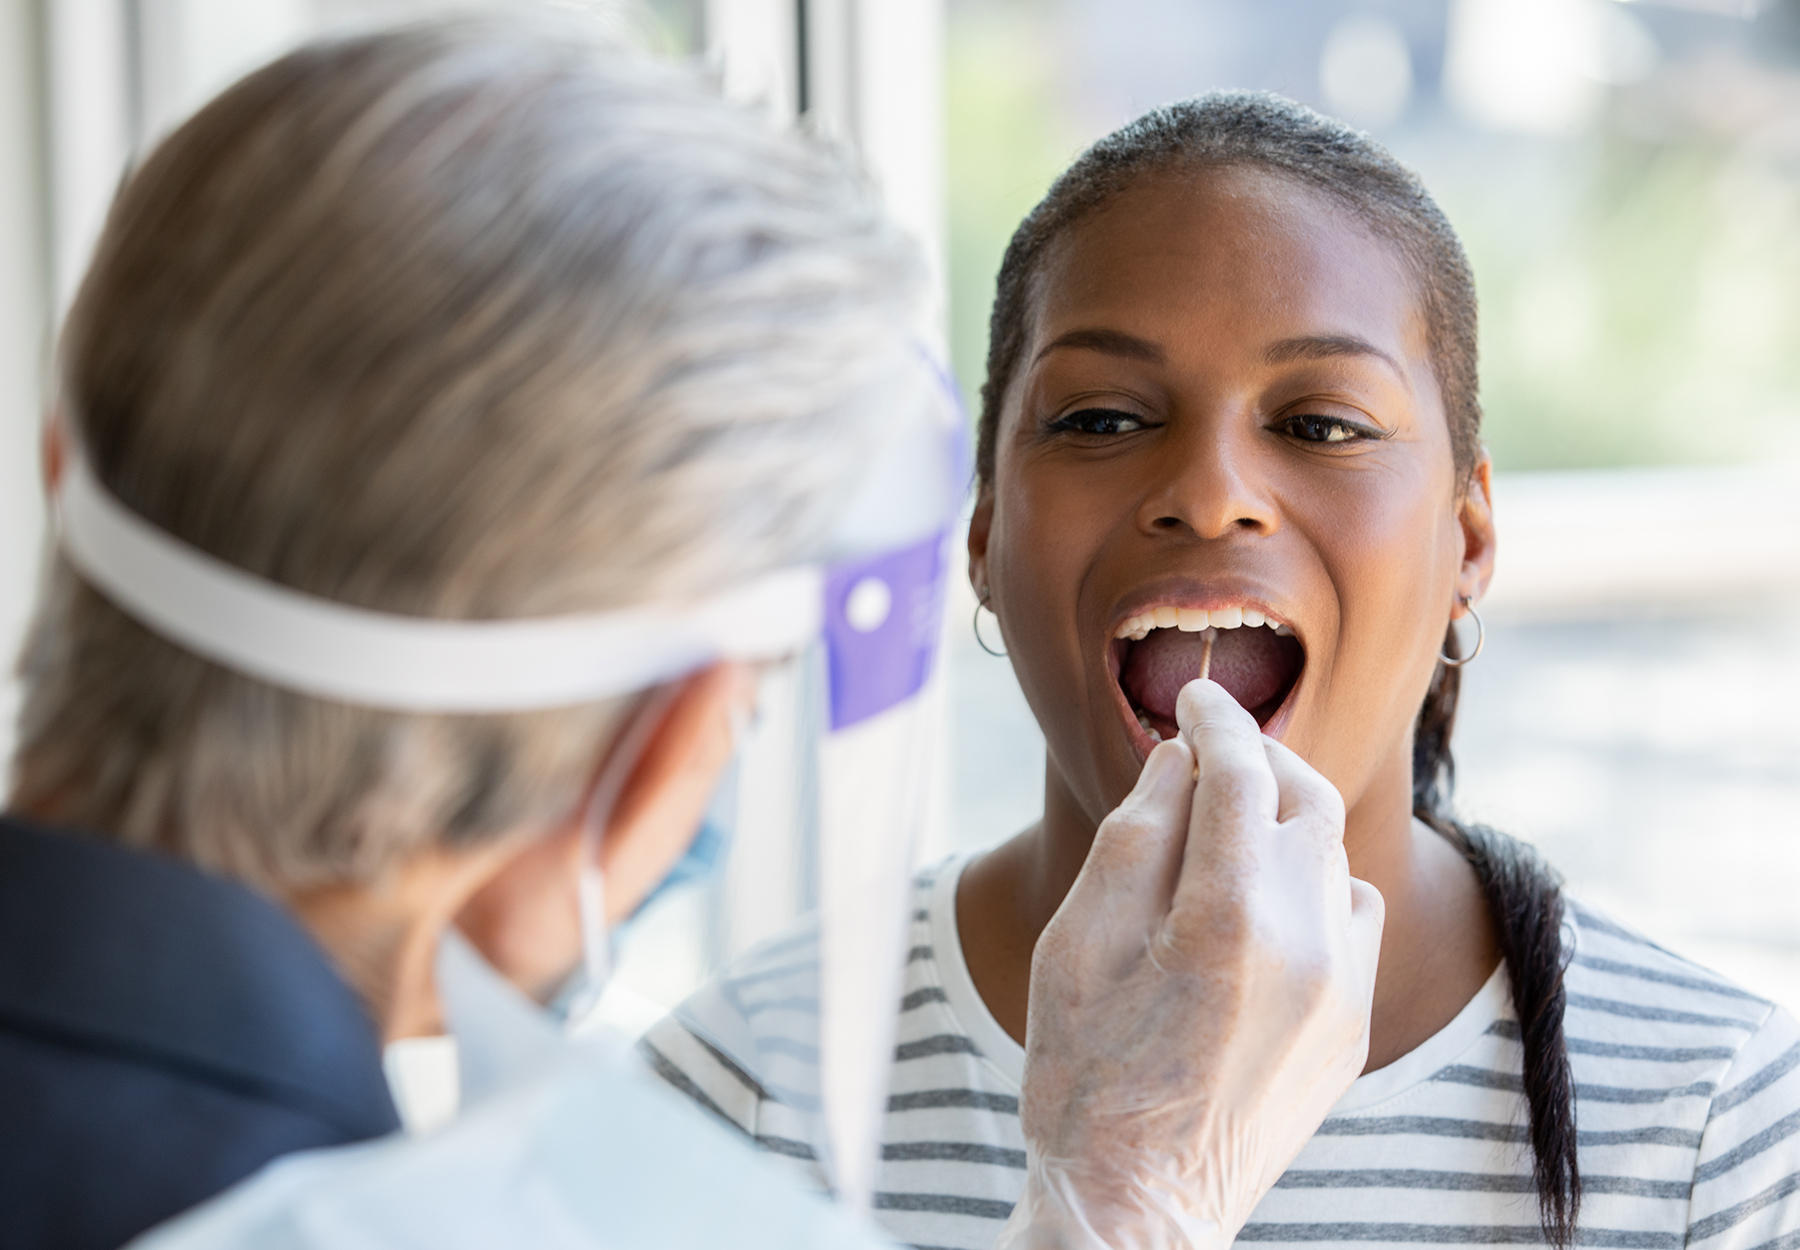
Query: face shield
column 836, row 783
column 833, row 782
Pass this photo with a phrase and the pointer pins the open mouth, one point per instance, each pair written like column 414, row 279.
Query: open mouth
column 1158, row 651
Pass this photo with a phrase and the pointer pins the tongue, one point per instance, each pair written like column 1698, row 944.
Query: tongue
column 1248, row 662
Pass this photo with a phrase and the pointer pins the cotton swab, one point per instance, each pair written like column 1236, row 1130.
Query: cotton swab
column 1206, row 647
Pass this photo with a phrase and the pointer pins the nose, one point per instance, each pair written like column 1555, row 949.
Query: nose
column 1213, row 483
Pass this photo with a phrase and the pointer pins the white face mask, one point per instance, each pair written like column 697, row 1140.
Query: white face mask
column 864, row 731
column 503, row 1038
column 497, row 1037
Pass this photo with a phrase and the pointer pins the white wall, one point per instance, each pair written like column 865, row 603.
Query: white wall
column 1584, row 545
column 24, row 282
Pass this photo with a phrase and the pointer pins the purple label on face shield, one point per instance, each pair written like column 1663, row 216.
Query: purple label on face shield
column 882, row 620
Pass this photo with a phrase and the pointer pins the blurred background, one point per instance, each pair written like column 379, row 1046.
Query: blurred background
column 1626, row 178
column 1625, row 174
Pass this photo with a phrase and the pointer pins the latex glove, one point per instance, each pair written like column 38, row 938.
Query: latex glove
column 1199, row 1001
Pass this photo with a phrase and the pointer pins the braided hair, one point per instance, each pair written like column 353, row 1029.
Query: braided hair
column 1256, row 129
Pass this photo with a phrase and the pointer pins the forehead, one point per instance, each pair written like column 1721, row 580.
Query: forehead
column 1228, row 254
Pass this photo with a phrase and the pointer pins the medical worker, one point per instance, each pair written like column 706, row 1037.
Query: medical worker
column 451, row 423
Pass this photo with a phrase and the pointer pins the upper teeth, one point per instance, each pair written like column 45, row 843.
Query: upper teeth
column 1193, row 620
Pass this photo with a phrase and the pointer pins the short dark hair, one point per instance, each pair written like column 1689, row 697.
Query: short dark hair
column 1255, row 129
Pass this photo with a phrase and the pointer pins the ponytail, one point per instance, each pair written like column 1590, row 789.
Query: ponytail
column 1524, row 896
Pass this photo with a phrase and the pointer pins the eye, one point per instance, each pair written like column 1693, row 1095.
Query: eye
column 1313, row 428
column 1100, row 421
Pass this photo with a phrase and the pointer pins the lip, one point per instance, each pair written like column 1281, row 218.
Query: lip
column 1185, row 593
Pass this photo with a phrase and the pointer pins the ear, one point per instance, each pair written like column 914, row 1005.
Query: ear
column 1479, row 538
column 980, row 525
column 54, row 451
column 525, row 920
column 667, row 791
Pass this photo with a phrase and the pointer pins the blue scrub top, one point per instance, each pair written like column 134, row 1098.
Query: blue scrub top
column 163, row 1034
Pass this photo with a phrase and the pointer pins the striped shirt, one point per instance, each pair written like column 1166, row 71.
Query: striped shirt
column 1687, row 1106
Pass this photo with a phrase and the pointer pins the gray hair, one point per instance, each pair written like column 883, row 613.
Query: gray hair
column 467, row 320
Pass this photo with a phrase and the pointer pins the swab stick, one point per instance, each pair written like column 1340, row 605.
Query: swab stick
column 1206, row 653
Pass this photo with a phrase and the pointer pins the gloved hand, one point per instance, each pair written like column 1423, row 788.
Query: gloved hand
column 1199, row 1001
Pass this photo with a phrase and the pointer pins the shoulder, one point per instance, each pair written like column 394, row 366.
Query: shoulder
column 1620, row 979
column 588, row 1155
column 745, row 1045
column 1747, row 1176
column 183, row 977
column 1656, row 1036
column 1741, row 1053
column 726, row 1045
column 766, row 1002
column 95, row 1147
column 163, row 1033
column 1640, row 1014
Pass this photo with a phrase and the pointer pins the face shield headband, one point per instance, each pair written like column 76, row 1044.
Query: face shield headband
column 870, row 612
column 860, row 600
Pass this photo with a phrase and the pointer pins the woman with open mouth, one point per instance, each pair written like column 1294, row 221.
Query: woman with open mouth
column 1231, row 421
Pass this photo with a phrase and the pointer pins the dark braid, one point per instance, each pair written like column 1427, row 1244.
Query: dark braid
column 1523, row 894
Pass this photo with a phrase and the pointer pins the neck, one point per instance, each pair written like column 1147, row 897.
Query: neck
column 1437, row 949
column 383, row 937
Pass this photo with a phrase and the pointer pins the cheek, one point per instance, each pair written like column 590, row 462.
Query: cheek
column 1043, row 547
column 1392, row 557
column 1036, row 554
column 1393, row 564
column 1042, row 535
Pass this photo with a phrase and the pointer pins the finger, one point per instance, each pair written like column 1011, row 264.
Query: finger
column 1131, row 868
column 1304, row 794
column 1235, row 784
column 1368, row 913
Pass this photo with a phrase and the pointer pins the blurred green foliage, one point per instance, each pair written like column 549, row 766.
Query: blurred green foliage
column 1650, row 313
column 676, row 26
column 1007, row 139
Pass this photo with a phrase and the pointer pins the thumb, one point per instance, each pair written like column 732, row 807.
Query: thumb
column 1136, row 856
column 1368, row 913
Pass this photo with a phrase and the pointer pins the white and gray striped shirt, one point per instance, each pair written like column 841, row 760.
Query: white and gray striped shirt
column 1687, row 1107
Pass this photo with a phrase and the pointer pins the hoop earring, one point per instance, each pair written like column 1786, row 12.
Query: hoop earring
column 979, row 640
column 1480, row 637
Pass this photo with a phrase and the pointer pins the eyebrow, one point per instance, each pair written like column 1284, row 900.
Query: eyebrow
column 1285, row 351
column 1325, row 346
column 1112, row 342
